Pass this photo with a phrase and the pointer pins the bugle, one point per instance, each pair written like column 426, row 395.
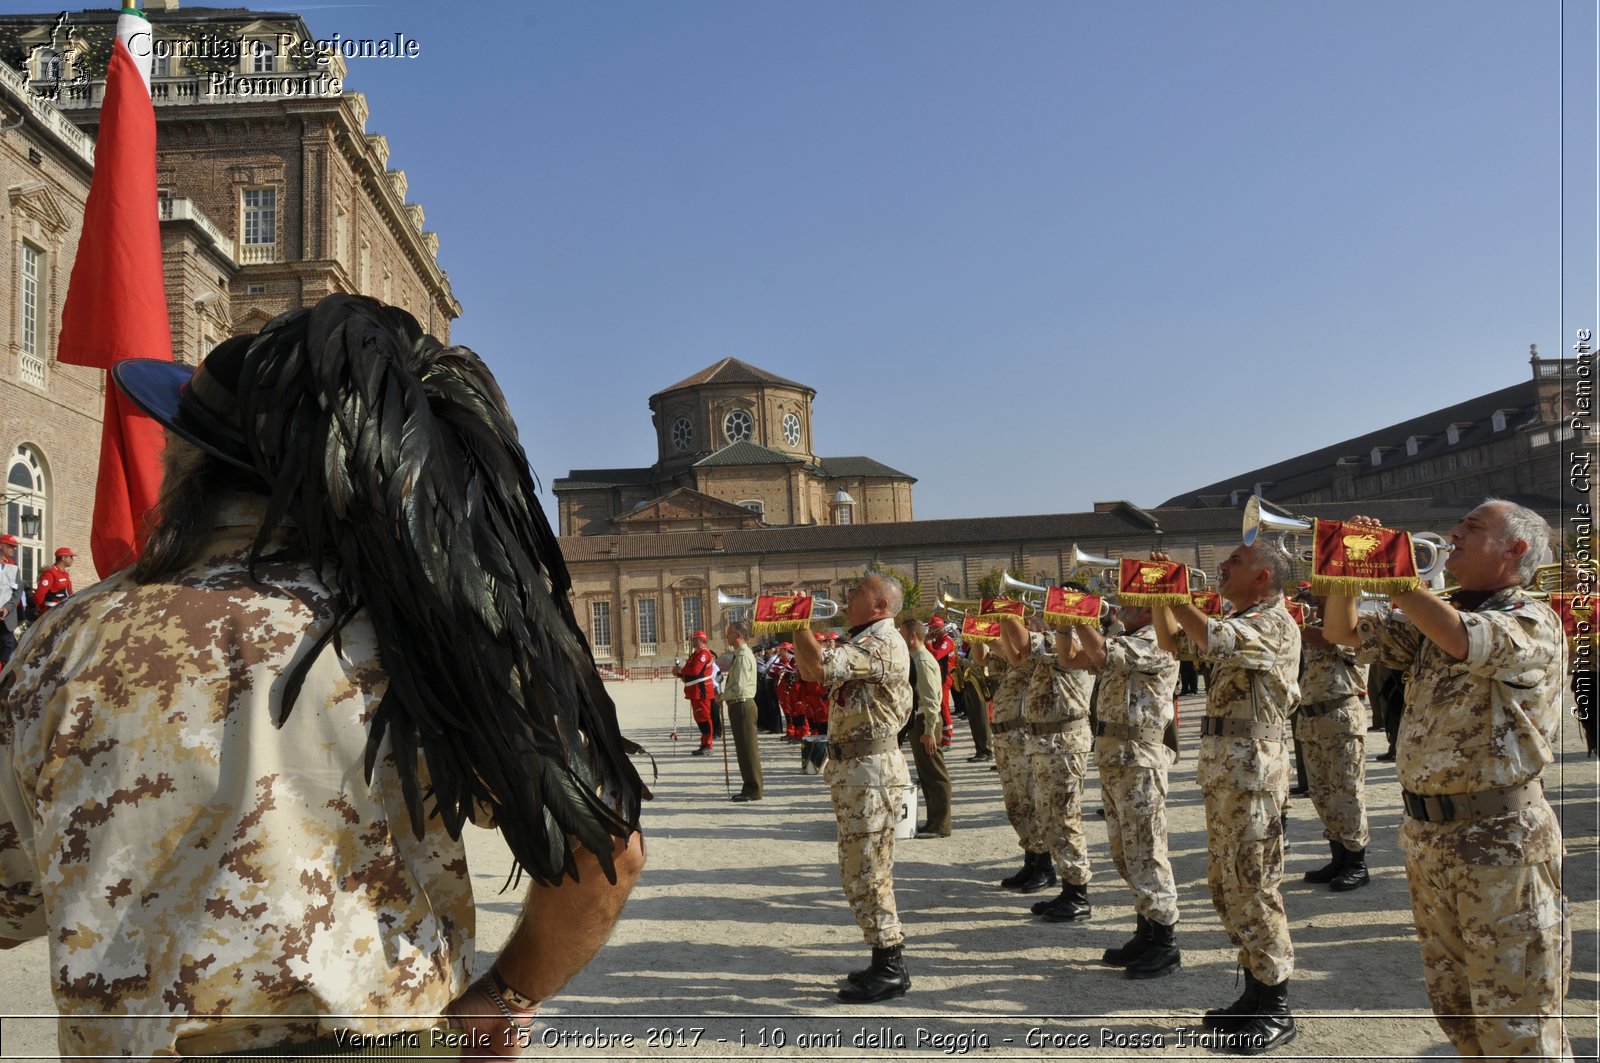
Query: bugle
column 1108, row 569
column 964, row 605
column 821, row 608
column 1428, row 550
column 1011, row 583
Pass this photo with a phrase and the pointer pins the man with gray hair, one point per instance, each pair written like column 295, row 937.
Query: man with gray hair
column 868, row 676
column 1243, row 772
column 1482, row 845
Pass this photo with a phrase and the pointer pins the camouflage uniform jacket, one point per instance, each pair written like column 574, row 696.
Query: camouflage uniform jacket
column 869, row 684
column 1487, row 722
column 1136, row 690
column 1331, row 674
column 1255, row 661
column 1060, row 696
column 188, row 858
column 1011, row 689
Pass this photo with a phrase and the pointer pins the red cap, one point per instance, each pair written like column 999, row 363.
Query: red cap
column 700, row 635
column 65, row 551
column 9, row 540
column 935, row 621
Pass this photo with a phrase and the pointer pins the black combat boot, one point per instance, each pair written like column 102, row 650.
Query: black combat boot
column 1024, row 873
column 1043, row 875
column 1354, row 874
column 886, row 978
column 1329, row 871
column 1268, row 1025
column 1162, row 957
column 1038, row 907
column 1133, row 949
column 1071, row 907
column 1230, row 1018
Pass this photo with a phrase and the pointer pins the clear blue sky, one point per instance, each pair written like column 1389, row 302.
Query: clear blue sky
column 1036, row 254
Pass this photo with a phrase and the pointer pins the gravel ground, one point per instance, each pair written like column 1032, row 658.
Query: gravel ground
column 738, row 934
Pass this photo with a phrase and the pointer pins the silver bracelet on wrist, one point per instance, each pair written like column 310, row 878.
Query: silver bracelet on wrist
column 487, row 983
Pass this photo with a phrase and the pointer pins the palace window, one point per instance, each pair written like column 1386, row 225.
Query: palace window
column 692, row 620
column 647, row 627
column 259, row 224
column 32, row 304
column 263, row 57
column 682, row 434
column 600, row 628
column 26, row 499
column 791, row 429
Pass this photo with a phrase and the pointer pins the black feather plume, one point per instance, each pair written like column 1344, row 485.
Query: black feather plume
column 398, row 461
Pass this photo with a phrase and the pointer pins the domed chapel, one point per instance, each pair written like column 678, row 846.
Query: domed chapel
column 733, row 451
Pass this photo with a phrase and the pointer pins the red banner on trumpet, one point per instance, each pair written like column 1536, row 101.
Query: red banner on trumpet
column 1153, row 583
column 1208, row 602
column 1001, row 608
column 975, row 630
column 1349, row 558
column 1063, row 606
column 781, row 612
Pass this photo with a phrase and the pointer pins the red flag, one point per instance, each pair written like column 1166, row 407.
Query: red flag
column 116, row 304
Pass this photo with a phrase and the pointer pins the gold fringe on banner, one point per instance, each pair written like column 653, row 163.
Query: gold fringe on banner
column 1059, row 619
column 775, row 627
column 1352, row 586
column 1125, row 598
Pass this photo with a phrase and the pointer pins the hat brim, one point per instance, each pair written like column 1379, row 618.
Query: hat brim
column 156, row 386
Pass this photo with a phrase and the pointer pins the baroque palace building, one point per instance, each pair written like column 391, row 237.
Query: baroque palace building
column 737, row 501
column 273, row 193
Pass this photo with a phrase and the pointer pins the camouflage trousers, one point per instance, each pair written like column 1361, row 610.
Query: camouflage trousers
column 1244, row 850
column 1496, row 954
column 1011, row 757
column 867, row 793
column 1056, row 778
column 1336, row 772
column 1136, row 827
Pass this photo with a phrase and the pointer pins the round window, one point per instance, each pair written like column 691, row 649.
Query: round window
column 682, row 434
column 738, row 426
column 791, row 429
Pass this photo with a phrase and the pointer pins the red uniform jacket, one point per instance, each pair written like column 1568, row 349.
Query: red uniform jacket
column 697, row 666
column 55, row 587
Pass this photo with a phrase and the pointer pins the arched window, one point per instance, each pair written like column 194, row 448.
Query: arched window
column 26, row 498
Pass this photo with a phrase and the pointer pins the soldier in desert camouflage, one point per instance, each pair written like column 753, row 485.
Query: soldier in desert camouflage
column 1010, row 734
column 1243, row 772
column 1482, row 845
column 1135, row 706
column 868, row 676
column 1055, row 713
column 1331, row 723
column 213, row 764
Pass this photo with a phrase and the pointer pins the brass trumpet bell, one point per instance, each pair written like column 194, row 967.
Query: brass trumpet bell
column 821, row 608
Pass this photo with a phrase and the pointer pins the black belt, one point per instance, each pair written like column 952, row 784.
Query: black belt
column 1007, row 727
column 1445, row 808
column 1221, row 727
column 1123, row 732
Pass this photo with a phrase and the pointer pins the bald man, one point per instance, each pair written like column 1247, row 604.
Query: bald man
column 868, row 677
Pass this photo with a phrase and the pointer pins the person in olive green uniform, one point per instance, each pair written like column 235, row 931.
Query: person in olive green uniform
column 739, row 695
column 925, row 723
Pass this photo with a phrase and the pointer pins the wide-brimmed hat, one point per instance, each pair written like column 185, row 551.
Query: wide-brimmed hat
column 198, row 403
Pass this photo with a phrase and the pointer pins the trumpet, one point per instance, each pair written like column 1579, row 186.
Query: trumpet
column 1109, row 568
column 1429, row 550
column 821, row 608
column 1012, row 583
column 960, row 605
